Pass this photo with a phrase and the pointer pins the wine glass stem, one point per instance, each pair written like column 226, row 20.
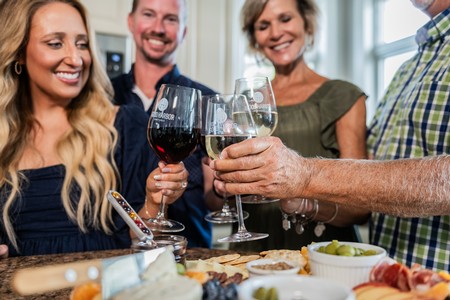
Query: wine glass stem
column 162, row 209
column 226, row 206
column 241, row 225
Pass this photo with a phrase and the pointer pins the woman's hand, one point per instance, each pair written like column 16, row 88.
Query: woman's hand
column 4, row 251
column 169, row 180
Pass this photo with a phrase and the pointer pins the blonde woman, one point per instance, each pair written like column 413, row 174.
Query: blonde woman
column 63, row 145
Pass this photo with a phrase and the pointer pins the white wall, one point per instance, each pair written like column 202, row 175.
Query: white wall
column 213, row 48
column 109, row 17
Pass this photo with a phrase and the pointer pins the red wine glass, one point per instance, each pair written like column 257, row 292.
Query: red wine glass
column 173, row 133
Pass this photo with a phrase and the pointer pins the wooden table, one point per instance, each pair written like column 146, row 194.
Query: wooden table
column 9, row 265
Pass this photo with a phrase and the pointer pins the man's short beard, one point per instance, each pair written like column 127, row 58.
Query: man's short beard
column 165, row 60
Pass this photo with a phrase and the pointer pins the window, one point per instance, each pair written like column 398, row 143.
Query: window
column 396, row 23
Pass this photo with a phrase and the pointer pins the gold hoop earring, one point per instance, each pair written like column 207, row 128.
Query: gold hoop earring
column 18, row 68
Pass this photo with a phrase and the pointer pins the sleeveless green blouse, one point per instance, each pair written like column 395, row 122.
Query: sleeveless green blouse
column 310, row 129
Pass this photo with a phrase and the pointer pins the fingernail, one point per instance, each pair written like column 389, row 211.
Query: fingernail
column 166, row 170
column 158, row 184
column 157, row 177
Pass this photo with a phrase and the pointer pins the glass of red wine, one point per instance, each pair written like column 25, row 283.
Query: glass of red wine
column 173, row 133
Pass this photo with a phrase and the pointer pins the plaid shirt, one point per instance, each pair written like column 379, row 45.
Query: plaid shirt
column 412, row 120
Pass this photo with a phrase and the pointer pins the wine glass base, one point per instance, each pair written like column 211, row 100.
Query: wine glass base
column 158, row 225
column 141, row 246
column 257, row 199
column 243, row 237
column 221, row 217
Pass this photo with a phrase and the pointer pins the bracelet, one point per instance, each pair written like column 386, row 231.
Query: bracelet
column 304, row 219
column 315, row 210
column 334, row 215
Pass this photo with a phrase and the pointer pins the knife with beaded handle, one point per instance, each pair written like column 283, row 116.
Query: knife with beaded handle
column 114, row 273
column 143, row 233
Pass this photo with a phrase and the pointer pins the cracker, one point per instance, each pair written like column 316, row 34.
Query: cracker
column 292, row 255
column 242, row 266
column 223, row 258
column 244, row 259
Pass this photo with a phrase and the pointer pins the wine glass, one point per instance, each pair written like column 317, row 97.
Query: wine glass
column 261, row 100
column 226, row 214
column 229, row 121
column 173, row 133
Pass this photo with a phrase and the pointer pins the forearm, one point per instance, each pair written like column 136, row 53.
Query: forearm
column 407, row 188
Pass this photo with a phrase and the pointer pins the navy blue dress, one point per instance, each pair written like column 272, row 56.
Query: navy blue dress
column 40, row 221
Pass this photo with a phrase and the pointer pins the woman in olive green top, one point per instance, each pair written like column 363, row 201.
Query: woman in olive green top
column 317, row 117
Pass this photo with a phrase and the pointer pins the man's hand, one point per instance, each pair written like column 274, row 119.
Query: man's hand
column 263, row 166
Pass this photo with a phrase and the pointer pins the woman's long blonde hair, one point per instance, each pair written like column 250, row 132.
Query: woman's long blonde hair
column 86, row 150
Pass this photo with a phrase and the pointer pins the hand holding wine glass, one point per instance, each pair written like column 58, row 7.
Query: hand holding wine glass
column 229, row 121
column 173, row 133
column 226, row 214
column 263, row 106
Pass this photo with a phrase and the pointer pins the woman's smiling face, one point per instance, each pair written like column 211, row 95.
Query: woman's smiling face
column 280, row 32
column 57, row 56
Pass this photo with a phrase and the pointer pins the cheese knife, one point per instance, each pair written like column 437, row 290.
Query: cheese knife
column 114, row 273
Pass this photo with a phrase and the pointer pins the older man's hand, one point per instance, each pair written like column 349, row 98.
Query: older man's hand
column 262, row 166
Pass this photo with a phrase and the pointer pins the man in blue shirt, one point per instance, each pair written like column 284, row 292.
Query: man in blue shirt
column 158, row 28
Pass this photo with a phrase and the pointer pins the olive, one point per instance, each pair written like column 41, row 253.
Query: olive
column 181, row 269
column 369, row 252
column 332, row 247
column 321, row 249
column 359, row 251
column 272, row 294
column 335, row 248
column 346, row 250
column 260, row 293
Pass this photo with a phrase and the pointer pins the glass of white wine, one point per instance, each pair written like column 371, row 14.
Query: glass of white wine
column 229, row 120
column 227, row 214
column 262, row 103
